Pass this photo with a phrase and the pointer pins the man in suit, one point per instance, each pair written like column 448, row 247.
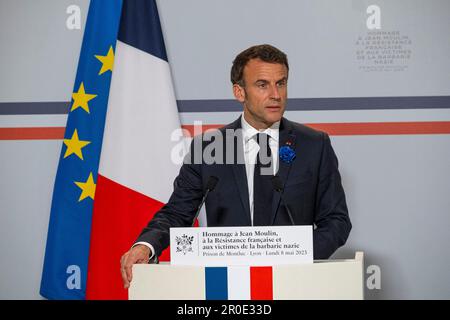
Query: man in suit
column 244, row 156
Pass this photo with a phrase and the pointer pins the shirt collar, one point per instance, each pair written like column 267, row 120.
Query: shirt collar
column 249, row 132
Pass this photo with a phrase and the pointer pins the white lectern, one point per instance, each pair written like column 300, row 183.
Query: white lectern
column 323, row 279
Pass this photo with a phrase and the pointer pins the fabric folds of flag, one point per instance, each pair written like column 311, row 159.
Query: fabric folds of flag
column 134, row 173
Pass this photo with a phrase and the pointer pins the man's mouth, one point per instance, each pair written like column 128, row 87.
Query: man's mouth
column 273, row 108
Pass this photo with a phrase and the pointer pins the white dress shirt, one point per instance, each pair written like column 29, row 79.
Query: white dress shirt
column 251, row 149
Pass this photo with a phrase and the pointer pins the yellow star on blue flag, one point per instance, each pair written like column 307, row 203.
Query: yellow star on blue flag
column 107, row 61
column 74, row 145
column 88, row 188
column 81, row 99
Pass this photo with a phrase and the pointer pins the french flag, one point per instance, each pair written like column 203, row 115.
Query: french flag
column 136, row 169
column 238, row 283
column 121, row 169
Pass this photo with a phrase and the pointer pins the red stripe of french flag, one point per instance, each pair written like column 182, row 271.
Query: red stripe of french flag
column 261, row 283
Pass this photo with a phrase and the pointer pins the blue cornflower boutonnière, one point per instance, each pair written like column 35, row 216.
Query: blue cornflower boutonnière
column 287, row 154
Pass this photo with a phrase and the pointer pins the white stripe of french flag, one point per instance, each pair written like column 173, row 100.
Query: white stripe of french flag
column 239, row 283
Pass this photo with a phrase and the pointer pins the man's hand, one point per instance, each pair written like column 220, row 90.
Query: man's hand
column 137, row 254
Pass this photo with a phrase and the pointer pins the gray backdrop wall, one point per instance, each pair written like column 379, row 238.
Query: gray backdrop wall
column 384, row 76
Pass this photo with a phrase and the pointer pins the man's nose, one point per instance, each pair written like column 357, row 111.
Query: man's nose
column 275, row 93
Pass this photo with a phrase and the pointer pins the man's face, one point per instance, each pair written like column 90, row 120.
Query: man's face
column 264, row 93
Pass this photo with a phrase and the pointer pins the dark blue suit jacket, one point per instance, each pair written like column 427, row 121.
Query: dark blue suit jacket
column 312, row 190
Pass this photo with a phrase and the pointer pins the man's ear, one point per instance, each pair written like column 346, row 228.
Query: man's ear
column 239, row 93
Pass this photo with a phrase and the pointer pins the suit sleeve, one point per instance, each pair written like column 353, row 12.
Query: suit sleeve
column 331, row 218
column 181, row 208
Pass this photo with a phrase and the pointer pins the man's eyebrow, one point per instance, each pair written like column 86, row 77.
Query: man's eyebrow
column 266, row 81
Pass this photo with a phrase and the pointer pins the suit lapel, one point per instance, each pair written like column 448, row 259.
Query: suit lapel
column 286, row 138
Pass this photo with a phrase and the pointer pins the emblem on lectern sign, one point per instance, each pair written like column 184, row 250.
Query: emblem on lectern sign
column 184, row 243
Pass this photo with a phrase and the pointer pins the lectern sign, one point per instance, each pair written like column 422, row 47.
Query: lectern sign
column 255, row 246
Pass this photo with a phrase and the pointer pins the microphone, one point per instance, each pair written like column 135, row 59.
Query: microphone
column 278, row 187
column 210, row 185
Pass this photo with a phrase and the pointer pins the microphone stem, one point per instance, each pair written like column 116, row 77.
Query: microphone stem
column 287, row 208
column 200, row 206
